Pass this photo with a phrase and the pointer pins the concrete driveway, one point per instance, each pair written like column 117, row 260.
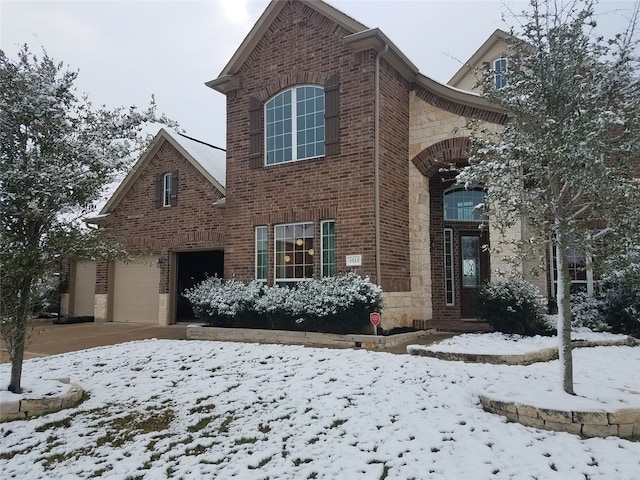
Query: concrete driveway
column 48, row 339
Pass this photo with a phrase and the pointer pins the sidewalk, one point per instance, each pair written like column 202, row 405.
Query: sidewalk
column 48, row 339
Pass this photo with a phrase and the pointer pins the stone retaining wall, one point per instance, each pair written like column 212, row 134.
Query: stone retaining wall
column 24, row 408
column 544, row 355
column 249, row 335
column 622, row 423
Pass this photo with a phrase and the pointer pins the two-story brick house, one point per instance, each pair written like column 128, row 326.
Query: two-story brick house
column 336, row 146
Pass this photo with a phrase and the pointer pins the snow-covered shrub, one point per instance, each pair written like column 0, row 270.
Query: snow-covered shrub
column 339, row 304
column 587, row 312
column 226, row 303
column 620, row 294
column 513, row 306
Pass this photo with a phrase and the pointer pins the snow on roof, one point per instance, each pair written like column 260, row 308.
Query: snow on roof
column 213, row 159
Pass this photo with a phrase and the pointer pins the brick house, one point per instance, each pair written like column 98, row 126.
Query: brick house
column 336, row 145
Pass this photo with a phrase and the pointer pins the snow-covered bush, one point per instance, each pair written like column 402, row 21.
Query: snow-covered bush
column 339, row 304
column 513, row 306
column 620, row 294
column 587, row 312
column 226, row 303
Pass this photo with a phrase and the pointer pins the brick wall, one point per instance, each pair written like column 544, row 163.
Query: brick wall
column 301, row 46
column 194, row 223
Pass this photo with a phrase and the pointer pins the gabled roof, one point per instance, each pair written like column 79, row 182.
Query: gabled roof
column 209, row 160
column 360, row 38
column 496, row 37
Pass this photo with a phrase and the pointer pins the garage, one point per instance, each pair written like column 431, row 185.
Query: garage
column 85, row 288
column 135, row 291
column 193, row 268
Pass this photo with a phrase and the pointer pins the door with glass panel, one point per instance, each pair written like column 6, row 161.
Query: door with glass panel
column 473, row 269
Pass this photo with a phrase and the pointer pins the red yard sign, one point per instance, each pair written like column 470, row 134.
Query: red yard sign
column 374, row 318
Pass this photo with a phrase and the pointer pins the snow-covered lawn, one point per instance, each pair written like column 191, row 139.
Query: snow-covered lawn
column 177, row 409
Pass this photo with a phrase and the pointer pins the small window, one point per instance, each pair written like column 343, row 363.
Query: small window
column 167, row 189
column 448, row 265
column 294, row 121
column 328, row 248
column 293, row 252
column 261, row 254
column 465, row 205
column 500, row 71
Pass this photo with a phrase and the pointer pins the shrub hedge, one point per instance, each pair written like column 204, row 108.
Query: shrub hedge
column 339, row 304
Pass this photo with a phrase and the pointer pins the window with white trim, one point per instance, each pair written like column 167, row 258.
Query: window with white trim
column 500, row 70
column 294, row 121
column 261, row 254
column 580, row 272
column 448, row 266
column 328, row 247
column 293, row 247
column 167, row 189
column 462, row 204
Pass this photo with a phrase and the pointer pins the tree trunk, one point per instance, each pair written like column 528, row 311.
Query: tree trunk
column 18, row 336
column 564, row 316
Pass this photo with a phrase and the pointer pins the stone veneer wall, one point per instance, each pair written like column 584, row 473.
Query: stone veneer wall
column 622, row 423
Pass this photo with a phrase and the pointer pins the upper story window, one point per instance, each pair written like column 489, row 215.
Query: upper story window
column 294, row 121
column 464, row 205
column 500, row 69
column 167, row 189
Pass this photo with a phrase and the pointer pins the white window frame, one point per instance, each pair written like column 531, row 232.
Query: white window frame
column 264, row 229
column 590, row 278
column 322, row 248
column 452, row 263
column 167, row 189
column 294, row 126
column 500, row 73
column 277, row 280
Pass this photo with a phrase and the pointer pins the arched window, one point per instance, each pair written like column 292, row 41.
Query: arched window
column 464, row 205
column 294, row 121
column 500, row 69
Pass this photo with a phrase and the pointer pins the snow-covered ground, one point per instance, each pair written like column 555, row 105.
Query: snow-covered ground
column 176, row 409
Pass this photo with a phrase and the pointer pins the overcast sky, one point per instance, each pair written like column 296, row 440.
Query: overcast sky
column 126, row 51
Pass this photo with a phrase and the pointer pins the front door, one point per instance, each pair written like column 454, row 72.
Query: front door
column 473, row 268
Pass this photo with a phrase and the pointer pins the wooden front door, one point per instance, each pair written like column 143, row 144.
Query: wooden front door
column 473, row 268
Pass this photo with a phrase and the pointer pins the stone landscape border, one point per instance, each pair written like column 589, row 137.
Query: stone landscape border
column 622, row 423
column 286, row 337
column 543, row 355
column 21, row 409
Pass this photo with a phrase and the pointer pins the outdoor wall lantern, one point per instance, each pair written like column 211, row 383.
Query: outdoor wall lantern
column 161, row 261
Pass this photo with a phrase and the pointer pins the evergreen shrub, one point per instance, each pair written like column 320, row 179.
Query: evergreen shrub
column 513, row 306
column 620, row 294
column 339, row 304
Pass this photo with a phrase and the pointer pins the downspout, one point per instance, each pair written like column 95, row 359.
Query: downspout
column 376, row 163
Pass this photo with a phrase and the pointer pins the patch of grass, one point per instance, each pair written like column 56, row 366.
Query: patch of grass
column 313, row 440
column 202, row 408
column 246, row 440
column 312, row 475
column 203, row 422
column 13, row 453
column 224, row 426
column 299, row 461
column 260, row 464
column 337, row 423
column 264, row 428
column 197, row 450
column 63, row 423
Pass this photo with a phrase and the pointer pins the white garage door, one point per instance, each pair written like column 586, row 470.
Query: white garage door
column 85, row 288
column 135, row 291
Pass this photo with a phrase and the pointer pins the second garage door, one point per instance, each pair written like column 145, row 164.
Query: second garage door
column 135, row 291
